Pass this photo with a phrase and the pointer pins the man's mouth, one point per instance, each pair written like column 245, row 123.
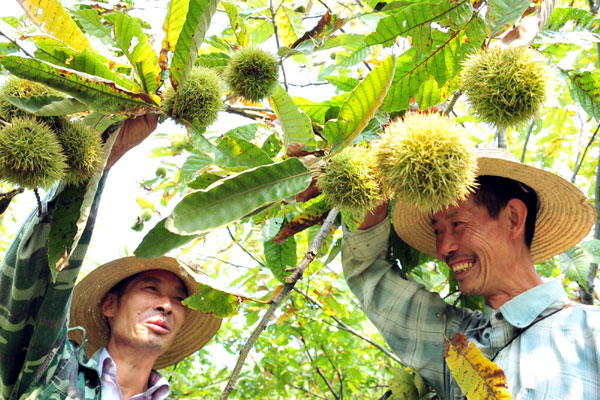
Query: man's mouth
column 159, row 326
column 463, row 266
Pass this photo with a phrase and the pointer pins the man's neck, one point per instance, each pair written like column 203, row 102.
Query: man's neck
column 524, row 278
column 133, row 370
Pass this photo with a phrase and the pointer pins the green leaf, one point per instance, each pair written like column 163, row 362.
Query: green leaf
column 592, row 247
column 91, row 23
column 428, row 94
column 261, row 32
column 213, row 60
column 8, row 48
column 211, row 299
column 238, row 195
column 360, row 106
column 295, row 124
column 90, row 63
column 403, row 21
column 203, row 181
column 568, row 25
column 502, row 13
column 319, row 111
column 172, row 26
column 158, row 241
column 403, row 385
column 575, row 264
column 195, row 162
column 196, row 24
column 342, row 82
column 272, row 145
column 443, row 64
column 52, row 18
column 47, row 105
column 585, row 90
column 246, row 132
column 236, row 152
column 135, row 44
column 99, row 94
column 281, row 256
column 237, row 23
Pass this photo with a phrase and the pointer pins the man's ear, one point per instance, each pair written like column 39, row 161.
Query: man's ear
column 109, row 305
column 517, row 214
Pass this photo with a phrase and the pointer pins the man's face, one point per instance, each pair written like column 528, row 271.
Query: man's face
column 476, row 247
column 149, row 314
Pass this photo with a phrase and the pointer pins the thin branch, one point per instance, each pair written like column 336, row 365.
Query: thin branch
column 319, row 371
column 253, row 115
column 309, row 84
column 12, row 193
column 342, row 325
column 576, row 171
column 453, row 101
column 249, row 108
column 307, row 391
column 14, row 41
column 223, row 261
column 278, row 300
column 527, row 140
column 276, row 31
column 243, row 248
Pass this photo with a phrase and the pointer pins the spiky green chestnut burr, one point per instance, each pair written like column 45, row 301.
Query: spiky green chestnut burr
column 252, row 73
column 30, row 154
column 506, row 86
column 17, row 87
column 426, row 160
column 83, row 149
column 199, row 97
column 349, row 181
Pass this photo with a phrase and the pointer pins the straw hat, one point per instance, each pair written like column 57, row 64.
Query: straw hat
column 198, row 327
column 564, row 214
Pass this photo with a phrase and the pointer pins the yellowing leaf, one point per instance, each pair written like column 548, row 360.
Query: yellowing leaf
column 176, row 13
column 477, row 377
column 52, row 18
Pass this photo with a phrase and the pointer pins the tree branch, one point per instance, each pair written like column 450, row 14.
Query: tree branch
column 321, row 374
column 307, row 391
column 14, row 41
column 281, row 296
column 276, row 31
column 580, row 163
column 527, row 140
column 244, row 249
column 342, row 325
column 453, row 101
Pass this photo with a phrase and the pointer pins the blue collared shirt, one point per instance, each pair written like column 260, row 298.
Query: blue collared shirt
column 158, row 386
column 556, row 358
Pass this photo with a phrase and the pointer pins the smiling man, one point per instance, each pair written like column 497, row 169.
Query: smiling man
column 548, row 346
column 126, row 316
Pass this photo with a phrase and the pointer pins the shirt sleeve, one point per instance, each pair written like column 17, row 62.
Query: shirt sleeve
column 410, row 318
column 33, row 310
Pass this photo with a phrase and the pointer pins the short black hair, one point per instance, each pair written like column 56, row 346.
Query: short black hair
column 121, row 287
column 494, row 192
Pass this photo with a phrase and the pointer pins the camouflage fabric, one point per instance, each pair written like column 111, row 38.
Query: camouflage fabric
column 36, row 359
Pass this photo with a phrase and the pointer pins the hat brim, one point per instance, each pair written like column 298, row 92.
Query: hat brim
column 565, row 216
column 196, row 331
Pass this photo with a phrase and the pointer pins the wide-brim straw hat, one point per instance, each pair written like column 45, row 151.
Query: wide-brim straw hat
column 565, row 216
column 197, row 329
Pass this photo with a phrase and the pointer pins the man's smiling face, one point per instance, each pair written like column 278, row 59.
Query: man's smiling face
column 149, row 314
column 475, row 246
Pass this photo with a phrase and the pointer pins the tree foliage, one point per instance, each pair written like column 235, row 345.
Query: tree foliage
column 238, row 198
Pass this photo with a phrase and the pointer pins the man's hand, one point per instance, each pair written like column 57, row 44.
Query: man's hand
column 375, row 216
column 132, row 132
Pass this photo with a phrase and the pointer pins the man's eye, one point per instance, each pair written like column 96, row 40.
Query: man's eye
column 151, row 287
column 457, row 223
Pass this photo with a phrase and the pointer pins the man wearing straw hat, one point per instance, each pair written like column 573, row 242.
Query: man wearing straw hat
column 128, row 313
column 548, row 347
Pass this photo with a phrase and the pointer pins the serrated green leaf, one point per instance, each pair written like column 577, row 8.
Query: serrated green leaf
column 99, row 94
column 279, row 257
column 8, row 48
column 89, row 18
column 403, row 385
column 575, row 264
column 172, row 26
column 502, row 13
column 212, row 298
column 134, row 42
column 52, row 18
column 237, row 24
column 47, row 105
column 88, row 62
column 246, row 132
column 272, row 145
column 443, row 64
column 261, row 32
column 295, row 124
column 571, row 25
column 286, row 25
column 203, row 181
column 592, row 247
column 585, row 90
column 361, row 105
column 343, row 82
column 194, row 163
column 238, row 195
column 319, row 111
column 159, row 240
column 213, row 60
column 192, row 33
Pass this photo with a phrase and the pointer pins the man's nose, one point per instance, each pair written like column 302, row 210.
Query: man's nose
column 164, row 305
column 446, row 245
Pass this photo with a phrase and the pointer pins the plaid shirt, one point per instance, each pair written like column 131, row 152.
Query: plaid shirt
column 557, row 357
column 37, row 361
